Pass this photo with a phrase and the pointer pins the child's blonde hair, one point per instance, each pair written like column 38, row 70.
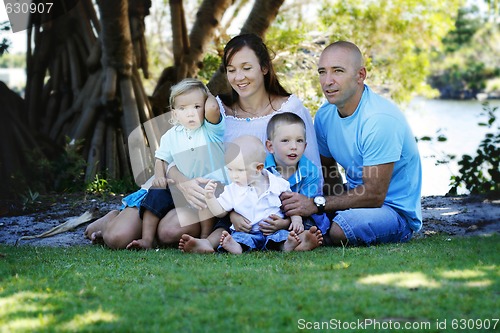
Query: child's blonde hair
column 183, row 87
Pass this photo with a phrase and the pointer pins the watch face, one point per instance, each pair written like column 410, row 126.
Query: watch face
column 319, row 200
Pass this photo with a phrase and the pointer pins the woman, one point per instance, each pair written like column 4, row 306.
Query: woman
column 256, row 96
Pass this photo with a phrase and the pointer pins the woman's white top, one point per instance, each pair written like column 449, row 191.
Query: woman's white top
column 236, row 127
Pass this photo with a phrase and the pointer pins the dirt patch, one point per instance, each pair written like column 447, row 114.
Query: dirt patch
column 461, row 216
column 48, row 212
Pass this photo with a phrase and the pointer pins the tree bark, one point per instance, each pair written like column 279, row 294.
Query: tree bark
column 188, row 52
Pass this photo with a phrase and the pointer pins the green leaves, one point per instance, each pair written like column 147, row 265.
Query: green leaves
column 480, row 174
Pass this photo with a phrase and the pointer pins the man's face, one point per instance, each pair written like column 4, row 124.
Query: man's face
column 339, row 76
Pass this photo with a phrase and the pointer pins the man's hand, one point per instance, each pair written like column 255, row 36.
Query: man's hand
column 294, row 203
column 194, row 192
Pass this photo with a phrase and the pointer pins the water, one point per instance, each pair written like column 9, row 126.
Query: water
column 457, row 121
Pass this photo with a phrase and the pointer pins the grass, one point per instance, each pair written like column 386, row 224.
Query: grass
column 93, row 289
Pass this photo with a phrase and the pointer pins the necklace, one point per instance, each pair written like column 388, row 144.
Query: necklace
column 255, row 115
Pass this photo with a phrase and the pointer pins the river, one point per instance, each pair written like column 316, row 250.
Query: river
column 457, row 121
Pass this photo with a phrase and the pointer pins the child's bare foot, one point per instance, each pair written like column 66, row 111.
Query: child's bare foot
column 292, row 242
column 229, row 244
column 139, row 244
column 96, row 237
column 311, row 239
column 190, row 244
column 98, row 225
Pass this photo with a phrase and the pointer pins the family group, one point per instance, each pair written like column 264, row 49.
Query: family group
column 252, row 171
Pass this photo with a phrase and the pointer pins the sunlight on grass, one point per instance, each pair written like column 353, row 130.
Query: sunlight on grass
column 463, row 274
column 89, row 318
column 470, row 275
column 24, row 301
column 402, row 279
column 27, row 324
column 479, row 284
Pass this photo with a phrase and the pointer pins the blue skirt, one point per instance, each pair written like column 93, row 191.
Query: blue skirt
column 134, row 199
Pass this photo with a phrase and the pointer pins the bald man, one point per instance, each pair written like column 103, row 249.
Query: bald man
column 370, row 138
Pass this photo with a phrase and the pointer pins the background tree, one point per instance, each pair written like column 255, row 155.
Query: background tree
column 470, row 56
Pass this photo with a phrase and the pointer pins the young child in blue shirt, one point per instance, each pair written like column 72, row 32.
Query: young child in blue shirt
column 195, row 146
column 286, row 143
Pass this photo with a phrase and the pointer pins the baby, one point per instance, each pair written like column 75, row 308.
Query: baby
column 254, row 193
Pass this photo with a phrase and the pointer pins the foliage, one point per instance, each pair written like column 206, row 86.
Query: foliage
column 29, row 199
column 97, row 186
column 93, row 289
column 467, row 24
column 9, row 60
column 102, row 185
column 4, row 43
column 481, row 174
column 211, row 63
column 463, row 81
column 63, row 172
column 470, row 57
column 296, row 50
column 397, row 37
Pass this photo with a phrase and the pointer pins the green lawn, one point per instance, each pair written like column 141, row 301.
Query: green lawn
column 419, row 284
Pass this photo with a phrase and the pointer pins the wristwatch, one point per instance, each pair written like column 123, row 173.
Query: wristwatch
column 320, row 202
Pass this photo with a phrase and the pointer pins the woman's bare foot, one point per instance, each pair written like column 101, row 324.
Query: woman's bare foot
column 291, row 242
column 229, row 244
column 98, row 225
column 189, row 244
column 311, row 239
column 139, row 244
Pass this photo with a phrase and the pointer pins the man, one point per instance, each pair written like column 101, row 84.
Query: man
column 370, row 138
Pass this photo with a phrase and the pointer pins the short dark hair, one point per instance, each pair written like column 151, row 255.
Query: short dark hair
column 287, row 118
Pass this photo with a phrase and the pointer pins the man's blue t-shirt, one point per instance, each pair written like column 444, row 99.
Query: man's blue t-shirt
column 376, row 133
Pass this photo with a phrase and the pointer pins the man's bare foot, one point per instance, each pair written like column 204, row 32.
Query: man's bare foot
column 229, row 244
column 311, row 239
column 139, row 244
column 189, row 244
column 292, row 242
column 98, row 225
column 96, row 237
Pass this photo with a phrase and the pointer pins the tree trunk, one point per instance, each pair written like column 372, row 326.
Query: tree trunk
column 188, row 52
column 94, row 91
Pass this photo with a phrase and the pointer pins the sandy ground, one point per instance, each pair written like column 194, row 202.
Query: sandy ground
column 454, row 216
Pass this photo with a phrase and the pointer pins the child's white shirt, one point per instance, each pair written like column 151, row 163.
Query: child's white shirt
column 244, row 200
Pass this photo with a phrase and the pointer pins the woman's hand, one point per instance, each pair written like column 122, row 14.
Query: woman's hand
column 239, row 222
column 194, row 192
column 273, row 224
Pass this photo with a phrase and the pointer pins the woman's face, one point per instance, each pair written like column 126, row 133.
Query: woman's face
column 244, row 72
